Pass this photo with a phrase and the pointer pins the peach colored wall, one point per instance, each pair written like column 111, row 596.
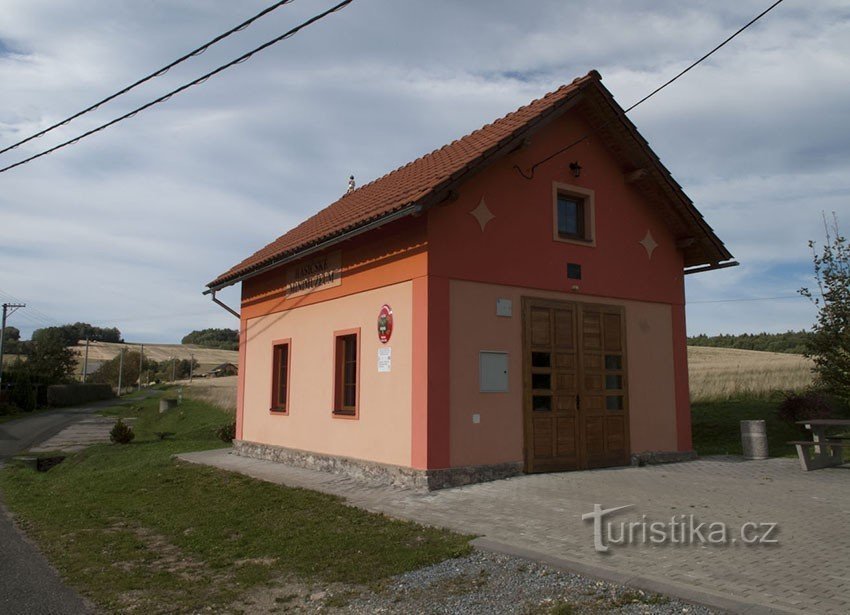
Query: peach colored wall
column 382, row 431
column 499, row 436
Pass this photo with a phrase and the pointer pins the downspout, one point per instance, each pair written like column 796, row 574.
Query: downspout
column 224, row 305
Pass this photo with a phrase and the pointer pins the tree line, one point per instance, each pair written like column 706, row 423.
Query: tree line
column 224, row 339
column 794, row 342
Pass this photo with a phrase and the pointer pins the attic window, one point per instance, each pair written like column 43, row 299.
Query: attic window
column 573, row 214
column 571, row 217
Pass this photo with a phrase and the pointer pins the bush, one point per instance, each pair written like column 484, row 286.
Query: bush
column 121, row 433
column 806, row 406
column 59, row 395
column 226, row 433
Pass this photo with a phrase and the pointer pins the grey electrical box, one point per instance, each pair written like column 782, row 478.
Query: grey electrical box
column 493, row 372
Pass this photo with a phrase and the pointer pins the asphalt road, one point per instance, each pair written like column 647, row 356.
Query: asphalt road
column 28, row 583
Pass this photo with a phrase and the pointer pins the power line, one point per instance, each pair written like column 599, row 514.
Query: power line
column 651, row 94
column 186, row 86
column 158, row 73
column 32, row 313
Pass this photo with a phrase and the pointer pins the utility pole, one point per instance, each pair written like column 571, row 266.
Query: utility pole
column 8, row 310
column 86, row 362
column 191, row 367
column 173, row 364
column 141, row 364
column 120, row 369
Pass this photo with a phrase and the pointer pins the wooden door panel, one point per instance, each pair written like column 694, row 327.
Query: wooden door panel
column 592, row 361
column 544, row 437
column 575, row 390
column 603, row 420
column 593, row 383
column 564, row 327
column 540, row 327
column 565, row 360
column 566, row 437
column 615, row 434
column 594, row 437
column 613, row 332
column 565, row 382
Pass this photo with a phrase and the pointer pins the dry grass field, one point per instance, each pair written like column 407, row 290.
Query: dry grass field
column 207, row 358
column 725, row 373
column 716, row 374
column 220, row 392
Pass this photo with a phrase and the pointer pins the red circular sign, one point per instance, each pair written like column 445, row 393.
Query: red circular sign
column 385, row 323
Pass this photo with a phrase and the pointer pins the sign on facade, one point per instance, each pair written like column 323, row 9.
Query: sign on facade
column 385, row 359
column 315, row 274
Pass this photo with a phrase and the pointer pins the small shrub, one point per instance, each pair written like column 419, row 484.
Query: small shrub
column 226, row 433
column 121, row 433
column 805, row 406
column 7, row 409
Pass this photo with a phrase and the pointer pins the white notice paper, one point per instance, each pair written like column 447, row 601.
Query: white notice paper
column 385, row 359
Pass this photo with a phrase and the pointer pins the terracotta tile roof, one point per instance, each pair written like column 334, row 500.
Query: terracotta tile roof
column 405, row 186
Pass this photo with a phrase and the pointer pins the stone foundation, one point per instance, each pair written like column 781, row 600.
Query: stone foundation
column 657, row 457
column 382, row 473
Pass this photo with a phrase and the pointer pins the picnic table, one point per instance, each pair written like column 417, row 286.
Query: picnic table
column 825, row 450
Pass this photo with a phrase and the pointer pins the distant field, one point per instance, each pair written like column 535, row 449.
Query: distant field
column 715, row 374
column 206, row 357
column 725, row 373
column 220, row 392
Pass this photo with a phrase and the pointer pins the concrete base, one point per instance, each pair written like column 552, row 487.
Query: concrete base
column 650, row 458
column 382, row 473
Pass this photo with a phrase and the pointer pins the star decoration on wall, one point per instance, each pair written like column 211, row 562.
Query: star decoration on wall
column 482, row 213
column 649, row 244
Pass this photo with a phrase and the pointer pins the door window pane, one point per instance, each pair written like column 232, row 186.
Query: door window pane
column 614, row 402
column 541, row 403
column 613, row 382
column 613, row 361
column 541, row 381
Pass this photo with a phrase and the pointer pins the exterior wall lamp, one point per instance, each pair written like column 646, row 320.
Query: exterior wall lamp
column 575, row 168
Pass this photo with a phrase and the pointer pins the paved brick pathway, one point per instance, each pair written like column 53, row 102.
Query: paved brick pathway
column 80, row 435
column 805, row 572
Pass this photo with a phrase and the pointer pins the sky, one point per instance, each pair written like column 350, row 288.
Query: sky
column 125, row 228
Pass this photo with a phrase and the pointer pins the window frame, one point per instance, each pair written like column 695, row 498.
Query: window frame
column 339, row 410
column 588, row 214
column 274, row 407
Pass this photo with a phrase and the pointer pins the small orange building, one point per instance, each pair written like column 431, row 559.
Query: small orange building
column 500, row 305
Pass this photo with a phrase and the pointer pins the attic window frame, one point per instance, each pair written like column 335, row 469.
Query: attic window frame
column 587, row 198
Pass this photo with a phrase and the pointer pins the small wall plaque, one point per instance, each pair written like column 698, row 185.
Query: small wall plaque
column 504, row 307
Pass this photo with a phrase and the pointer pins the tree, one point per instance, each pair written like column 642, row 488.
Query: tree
column 829, row 344
column 73, row 333
column 11, row 340
column 50, row 361
column 226, row 339
column 107, row 373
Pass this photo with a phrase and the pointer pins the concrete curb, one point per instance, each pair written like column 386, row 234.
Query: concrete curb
column 658, row 586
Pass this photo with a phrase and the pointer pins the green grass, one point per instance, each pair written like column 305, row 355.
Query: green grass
column 716, row 426
column 130, row 528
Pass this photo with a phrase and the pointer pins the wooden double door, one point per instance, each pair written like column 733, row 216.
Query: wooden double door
column 575, row 386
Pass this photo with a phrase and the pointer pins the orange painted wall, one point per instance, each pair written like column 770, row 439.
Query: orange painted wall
column 499, row 435
column 382, row 431
column 394, row 253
